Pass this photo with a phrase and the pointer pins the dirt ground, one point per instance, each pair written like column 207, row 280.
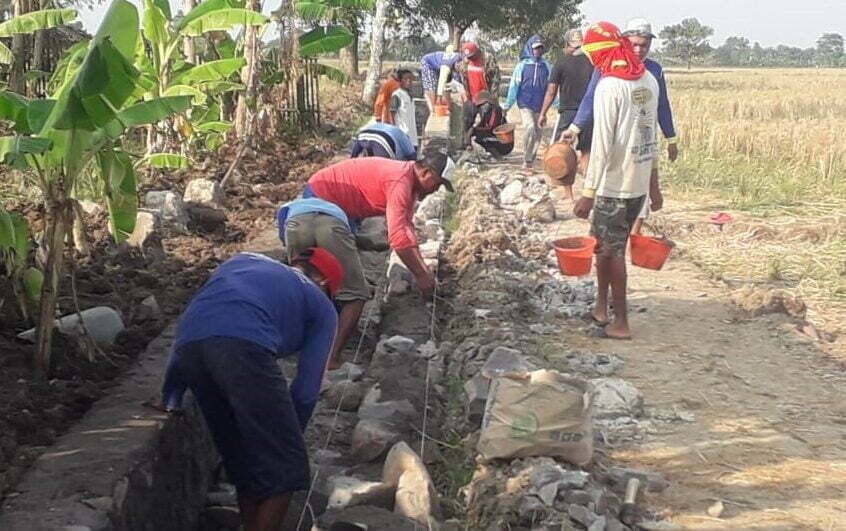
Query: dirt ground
column 171, row 267
column 769, row 436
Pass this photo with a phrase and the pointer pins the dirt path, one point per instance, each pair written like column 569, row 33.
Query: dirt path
column 769, row 435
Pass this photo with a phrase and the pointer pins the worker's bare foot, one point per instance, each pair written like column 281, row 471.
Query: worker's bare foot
column 599, row 315
column 618, row 330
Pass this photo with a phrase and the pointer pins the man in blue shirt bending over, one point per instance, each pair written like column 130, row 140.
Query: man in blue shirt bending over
column 383, row 140
column 639, row 33
column 251, row 311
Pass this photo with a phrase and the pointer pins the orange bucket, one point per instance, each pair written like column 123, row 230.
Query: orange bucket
column 441, row 109
column 575, row 255
column 505, row 133
column 650, row 253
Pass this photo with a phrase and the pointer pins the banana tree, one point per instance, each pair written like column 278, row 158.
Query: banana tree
column 171, row 75
column 15, row 247
column 80, row 128
column 330, row 33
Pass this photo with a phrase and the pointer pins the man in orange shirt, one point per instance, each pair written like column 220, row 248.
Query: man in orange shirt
column 381, row 107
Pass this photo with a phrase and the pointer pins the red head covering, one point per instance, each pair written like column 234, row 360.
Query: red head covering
column 329, row 267
column 611, row 53
column 470, row 49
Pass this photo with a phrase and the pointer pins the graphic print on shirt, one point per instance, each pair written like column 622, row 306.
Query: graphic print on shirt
column 647, row 148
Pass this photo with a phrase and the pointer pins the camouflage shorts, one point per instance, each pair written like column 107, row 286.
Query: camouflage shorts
column 612, row 222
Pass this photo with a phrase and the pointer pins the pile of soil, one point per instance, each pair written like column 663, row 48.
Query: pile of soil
column 33, row 413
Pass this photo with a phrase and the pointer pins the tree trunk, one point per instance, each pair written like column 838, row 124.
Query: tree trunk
column 377, row 45
column 38, row 62
column 349, row 55
column 57, row 217
column 456, row 31
column 249, row 74
column 17, row 80
column 188, row 45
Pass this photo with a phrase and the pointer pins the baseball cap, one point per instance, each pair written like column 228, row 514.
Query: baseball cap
column 441, row 164
column 640, row 27
column 538, row 44
column 328, row 265
column 574, row 37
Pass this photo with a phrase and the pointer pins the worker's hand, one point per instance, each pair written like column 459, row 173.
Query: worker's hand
column 673, row 151
column 542, row 120
column 657, row 199
column 583, row 207
column 426, row 284
column 569, row 136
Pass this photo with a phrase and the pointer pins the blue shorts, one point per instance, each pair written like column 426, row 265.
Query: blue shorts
column 245, row 400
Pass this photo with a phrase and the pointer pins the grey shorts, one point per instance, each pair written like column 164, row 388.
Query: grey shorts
column 322, row 230
column 612, row 223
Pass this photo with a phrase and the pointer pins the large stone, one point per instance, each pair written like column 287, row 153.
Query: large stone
column 615, row 397
column 372, row 235
column 430, row 250
column 392, row 351
column 541, row 210
column 598, row 524
column 346, row 395
column 146, row 225
column 103, row 324
column 512, row 194
column 400, row 459
column 651, row 481
column 397, row 412
column 204, row 192
column 365, row 517
column 433, row 230
column 347, row 491
column 431, row 207
column 504, row 361
column 348, row 371
column 476, row 391
column 416, row 498
column 581, row 514
column 148, row 310
column 371, row 439
column 400, row 278
column 168, row 206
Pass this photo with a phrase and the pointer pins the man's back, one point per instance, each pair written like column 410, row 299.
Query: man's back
column 572, row 74
column 625, row 142
column 361, row 186
column 251, row 297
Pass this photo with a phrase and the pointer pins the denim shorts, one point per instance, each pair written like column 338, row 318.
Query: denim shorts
column 244, row 398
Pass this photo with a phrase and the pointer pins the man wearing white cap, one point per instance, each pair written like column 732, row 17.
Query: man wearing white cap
column 639, row 33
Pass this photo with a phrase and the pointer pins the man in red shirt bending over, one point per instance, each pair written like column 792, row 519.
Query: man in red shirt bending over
column 364, row 188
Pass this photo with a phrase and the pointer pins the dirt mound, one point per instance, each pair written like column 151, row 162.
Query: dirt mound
column 762, row 301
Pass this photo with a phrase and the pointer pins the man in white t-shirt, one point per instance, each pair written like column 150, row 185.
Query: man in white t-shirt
column 623, row 156
column 402, row 107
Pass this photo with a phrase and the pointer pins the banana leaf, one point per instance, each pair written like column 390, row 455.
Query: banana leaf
column 325, row 40
column 223, row 20
column 37, row 20
column 212, row 71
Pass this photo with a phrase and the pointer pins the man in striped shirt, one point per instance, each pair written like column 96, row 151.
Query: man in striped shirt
column 383, row 140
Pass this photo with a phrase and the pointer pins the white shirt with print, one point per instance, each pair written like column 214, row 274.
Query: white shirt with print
column 625, row 139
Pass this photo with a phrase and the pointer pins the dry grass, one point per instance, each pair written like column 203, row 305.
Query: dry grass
column 767, row 146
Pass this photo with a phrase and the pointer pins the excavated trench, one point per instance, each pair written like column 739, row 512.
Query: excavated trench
column 394, row 440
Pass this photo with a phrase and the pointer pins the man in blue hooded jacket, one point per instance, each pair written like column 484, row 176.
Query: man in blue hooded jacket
column 527, row 89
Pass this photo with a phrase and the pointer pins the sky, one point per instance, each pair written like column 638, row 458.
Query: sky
column 770, row 22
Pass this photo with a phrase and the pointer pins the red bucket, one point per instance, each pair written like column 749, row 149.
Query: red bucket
column 650, row 253
column 575, row 255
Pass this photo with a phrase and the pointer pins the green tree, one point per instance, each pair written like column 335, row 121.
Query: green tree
column 80, row 129
column 505, row 18
column 736, row 51
column 830, row 49
column 686, row 41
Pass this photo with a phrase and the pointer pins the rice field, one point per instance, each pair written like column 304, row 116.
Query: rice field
column 768, row 147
